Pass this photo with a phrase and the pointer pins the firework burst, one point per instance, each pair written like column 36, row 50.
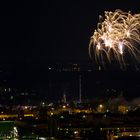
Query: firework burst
column 117, row 33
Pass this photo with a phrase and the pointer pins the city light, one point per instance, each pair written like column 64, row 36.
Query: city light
column 63, row 106
column 100, row 105
column 51, row 113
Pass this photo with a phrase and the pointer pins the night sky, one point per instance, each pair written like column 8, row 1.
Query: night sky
column 35, row 33
column 51, row 30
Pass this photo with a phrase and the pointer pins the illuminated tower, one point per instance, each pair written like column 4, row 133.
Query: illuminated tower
column 64, row 98
column 80, row 98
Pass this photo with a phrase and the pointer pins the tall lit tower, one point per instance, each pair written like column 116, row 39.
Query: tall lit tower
column 64, row 98
column 80, row 98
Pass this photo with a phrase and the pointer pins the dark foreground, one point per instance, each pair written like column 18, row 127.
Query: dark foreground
column 82, row 126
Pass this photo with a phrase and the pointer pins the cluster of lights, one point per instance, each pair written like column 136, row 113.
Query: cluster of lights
column 119, row 31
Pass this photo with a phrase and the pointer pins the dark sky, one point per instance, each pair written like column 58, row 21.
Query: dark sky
column 51, row 30
column 35, row 33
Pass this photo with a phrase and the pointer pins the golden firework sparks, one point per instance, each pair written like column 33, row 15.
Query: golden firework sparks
column 119, row 31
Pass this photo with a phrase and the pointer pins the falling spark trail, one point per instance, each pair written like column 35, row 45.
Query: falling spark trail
column 118, row 32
